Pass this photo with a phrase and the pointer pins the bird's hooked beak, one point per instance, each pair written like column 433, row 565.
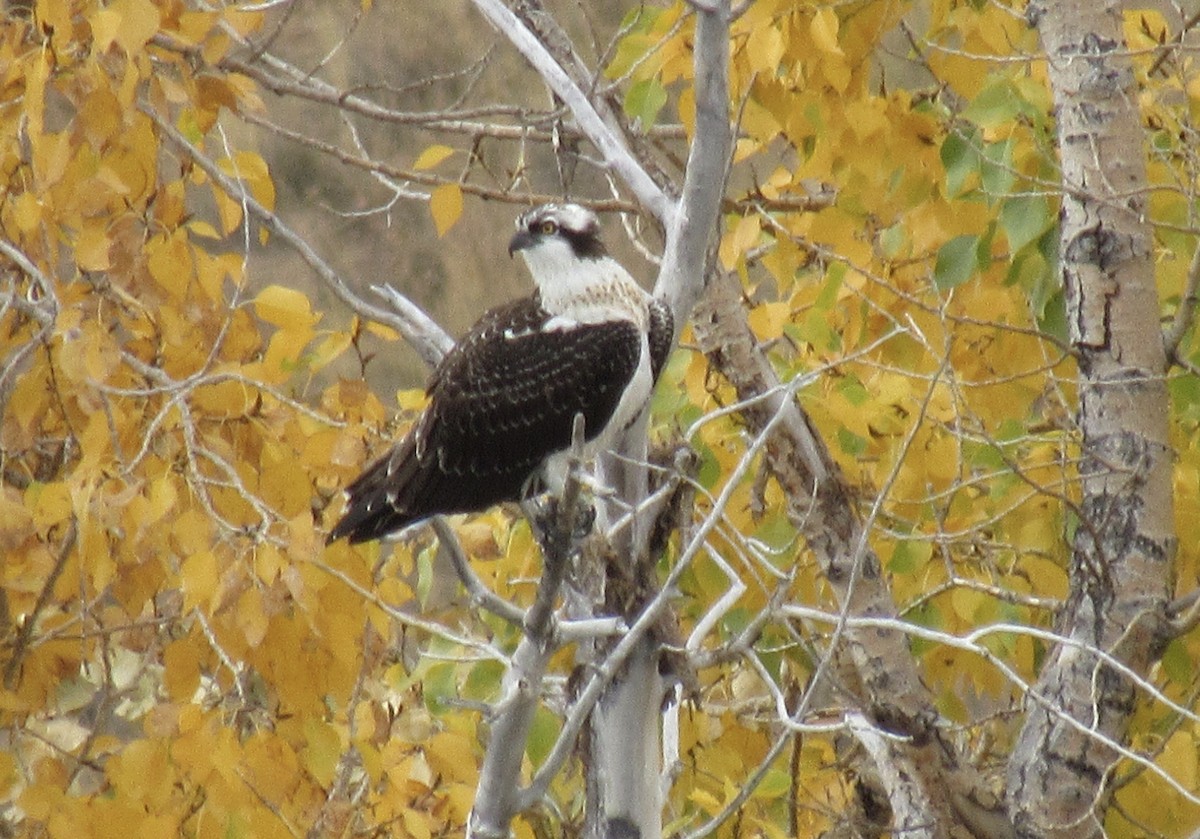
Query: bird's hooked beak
column 520, row 240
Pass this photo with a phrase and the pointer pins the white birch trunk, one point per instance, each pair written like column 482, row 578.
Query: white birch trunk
column 1125, row 543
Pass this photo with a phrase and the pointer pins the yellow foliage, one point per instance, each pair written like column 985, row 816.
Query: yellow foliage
column 164, row 493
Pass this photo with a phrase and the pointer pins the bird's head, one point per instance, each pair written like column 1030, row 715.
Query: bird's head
column 557, row 234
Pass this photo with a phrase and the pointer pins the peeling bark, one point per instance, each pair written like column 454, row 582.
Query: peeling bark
column 1124, row 543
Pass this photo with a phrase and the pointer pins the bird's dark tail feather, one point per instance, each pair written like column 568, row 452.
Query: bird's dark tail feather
column 369, row 513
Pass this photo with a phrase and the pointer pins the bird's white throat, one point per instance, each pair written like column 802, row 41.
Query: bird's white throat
column 584, row 290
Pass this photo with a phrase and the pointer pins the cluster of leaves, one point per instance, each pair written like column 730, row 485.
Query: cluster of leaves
column 182, row 656
column 179, row 655
column 928, row 299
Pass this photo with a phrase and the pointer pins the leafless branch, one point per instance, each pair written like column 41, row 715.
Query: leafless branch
column 1185, row 315
column 611, row 146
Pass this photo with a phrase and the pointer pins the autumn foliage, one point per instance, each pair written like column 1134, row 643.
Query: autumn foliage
column 183, row 656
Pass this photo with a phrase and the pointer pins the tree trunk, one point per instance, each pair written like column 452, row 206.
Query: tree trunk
column 1124, row 542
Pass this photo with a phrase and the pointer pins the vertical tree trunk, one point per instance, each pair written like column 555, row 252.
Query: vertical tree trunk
column 1124, row 542
column 624, row 740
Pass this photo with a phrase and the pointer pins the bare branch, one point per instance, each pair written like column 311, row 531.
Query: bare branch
column 1185, row 315
column 616, row 155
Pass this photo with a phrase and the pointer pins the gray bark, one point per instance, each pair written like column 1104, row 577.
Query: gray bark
column 1124, row 543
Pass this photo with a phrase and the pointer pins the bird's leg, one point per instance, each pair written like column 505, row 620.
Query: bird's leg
column 542, row 513
column 550, row 521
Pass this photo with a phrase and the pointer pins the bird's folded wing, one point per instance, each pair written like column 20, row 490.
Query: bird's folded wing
column 507, row 396
column 501, row 401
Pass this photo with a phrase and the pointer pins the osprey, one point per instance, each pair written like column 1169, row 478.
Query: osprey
column 502, row 402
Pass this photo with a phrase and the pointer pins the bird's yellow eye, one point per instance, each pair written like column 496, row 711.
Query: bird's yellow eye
column 549, row 228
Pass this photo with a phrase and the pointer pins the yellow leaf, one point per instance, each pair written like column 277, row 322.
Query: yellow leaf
column 705, row 800
column 163, row 497
column 446, row 204
column 27, row 212
column 181, row 670
column 170, row 262
column 250, row 168
column 199, row 578
column 50, row 503
column 8, row 772
column 191, row 531
column 139, row 23
column 229, row 210
column 251, row 616
column 765, row 49
column 432, row 156
column 91, row 248
column 742, row 238
column 381, row 331
column 416, row 824
column 824, row 30
column 284, row 307
column 194, row 27
column 330, row 348
column 479, row 540
column 322, row 751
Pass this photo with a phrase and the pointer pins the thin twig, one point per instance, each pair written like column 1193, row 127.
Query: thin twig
column 425, row 336
column 481, row 596
column 1186, row 313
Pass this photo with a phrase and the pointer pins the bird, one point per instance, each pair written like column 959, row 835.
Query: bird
column 497, row 425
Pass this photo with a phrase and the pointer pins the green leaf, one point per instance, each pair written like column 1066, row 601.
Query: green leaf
column 850, row 443
column 957, row 262
column 439, row 685
column 1052, row 318
column 483, row 681
column 996, row 173
column 814, row 329
column 775, row 784
column 1024, row 218
column 997, row 104
column 851, row 388
column 961, row 159
column 835, row 275
column 893, row 239
column 909, row 555
column 1177, row 663
column 644, row 100
column 543, row 732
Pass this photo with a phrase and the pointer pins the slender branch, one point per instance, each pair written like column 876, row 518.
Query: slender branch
column 974, row 642
column 1185, row 315
column 497, row 798
column 1166, row 50
column 44, row 311
column 21, row 645
column 480, row 594
column 611, row 146
column 425, row 336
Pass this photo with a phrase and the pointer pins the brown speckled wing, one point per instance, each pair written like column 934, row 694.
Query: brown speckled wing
column 501, row 402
